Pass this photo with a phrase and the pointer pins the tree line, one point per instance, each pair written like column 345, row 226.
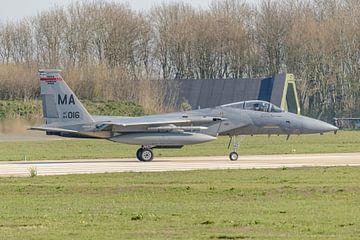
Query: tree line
column 111, row 52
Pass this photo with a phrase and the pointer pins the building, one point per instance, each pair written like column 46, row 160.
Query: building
column 203, row 93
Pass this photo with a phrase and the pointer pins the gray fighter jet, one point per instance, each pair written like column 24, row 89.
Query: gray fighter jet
column 64, row 115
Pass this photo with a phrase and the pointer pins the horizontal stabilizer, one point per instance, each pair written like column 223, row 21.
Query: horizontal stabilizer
column 52, row 129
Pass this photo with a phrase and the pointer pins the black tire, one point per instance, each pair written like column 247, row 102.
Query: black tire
column 138, row 154
column 146, row 155
column 234, row 156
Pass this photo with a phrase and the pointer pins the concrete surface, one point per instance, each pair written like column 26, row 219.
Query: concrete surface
column 61, row 167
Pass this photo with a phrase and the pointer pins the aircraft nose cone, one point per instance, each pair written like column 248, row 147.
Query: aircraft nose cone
column 317, row 126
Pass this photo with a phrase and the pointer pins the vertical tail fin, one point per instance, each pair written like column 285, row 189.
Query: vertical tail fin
column 60, row 105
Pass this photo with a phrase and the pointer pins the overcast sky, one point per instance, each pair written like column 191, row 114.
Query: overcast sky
column 16, row 9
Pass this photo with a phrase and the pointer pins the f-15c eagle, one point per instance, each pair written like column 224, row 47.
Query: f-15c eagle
column 64, row 115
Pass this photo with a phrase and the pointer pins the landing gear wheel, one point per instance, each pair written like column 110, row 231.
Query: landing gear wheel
column 138, row 154
column 234, row 156
column 146, row 155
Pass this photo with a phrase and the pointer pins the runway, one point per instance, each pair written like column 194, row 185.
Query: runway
column 88, row 166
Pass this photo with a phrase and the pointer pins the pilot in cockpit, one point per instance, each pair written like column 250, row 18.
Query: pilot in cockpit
column 256, row 105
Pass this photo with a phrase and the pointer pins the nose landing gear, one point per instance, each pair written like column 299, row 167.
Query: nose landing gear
column 145, row 154
column 234, row 156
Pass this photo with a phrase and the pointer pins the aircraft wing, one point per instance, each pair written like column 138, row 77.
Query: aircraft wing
column 139, row 124
column 153, row 123
column 150, row 122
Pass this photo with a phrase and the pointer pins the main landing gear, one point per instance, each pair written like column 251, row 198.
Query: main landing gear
column 234, row 156
column 145, row 154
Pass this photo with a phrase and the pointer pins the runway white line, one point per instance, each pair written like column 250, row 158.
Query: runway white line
column 88, row 166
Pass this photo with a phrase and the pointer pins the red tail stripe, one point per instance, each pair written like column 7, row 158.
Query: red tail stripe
column 51, row 79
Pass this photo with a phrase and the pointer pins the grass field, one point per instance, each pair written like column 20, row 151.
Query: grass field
column 344, row 141
column 314, row 203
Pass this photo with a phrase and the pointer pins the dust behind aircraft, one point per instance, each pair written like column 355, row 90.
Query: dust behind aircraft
column 64, row 115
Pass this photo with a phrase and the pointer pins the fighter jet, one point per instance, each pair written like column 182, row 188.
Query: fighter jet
column 64, row 115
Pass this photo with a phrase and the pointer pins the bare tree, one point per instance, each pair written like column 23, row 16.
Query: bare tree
column 112, row 52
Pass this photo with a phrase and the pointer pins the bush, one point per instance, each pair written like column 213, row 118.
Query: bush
column 32, row 109
column 114, row 108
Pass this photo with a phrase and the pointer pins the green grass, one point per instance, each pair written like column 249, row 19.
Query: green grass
column 32, row 108
column 19, row 109
column 344, row 141
column 312, row 203
column 113, row 108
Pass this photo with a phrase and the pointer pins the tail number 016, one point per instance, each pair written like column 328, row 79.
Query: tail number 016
column 71, row 115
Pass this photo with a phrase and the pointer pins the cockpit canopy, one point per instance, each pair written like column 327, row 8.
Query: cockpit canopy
column 255, row 105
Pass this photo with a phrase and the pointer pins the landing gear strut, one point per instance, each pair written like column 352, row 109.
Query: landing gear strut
column 234, row 156
column 144, row 154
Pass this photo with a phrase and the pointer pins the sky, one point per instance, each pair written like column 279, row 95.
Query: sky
column 17, row 9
